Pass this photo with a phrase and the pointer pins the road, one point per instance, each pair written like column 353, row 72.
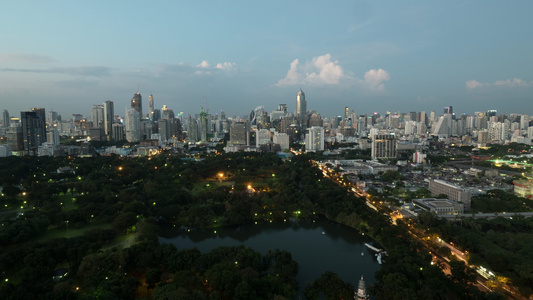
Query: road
column 509, row 291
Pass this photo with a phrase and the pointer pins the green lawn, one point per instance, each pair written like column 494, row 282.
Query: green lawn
column 71, row 232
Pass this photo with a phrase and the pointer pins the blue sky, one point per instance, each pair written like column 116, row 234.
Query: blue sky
column 236, row 55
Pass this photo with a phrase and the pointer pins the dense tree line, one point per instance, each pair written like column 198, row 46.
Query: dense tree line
column 140, row 194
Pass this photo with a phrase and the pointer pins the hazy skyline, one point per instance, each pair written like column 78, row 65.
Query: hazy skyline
column 368, row 55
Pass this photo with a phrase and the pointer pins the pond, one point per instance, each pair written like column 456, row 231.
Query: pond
column 317, row 245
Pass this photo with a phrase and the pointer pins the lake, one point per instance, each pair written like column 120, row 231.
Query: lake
column 317, row 245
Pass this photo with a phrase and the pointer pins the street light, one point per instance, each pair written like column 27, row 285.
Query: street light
column 66, row 222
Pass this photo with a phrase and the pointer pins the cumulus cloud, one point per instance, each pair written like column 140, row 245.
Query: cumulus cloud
column 204, row 64
column 97, row 71
column 509, row 83
column 374, row 79
column 320, row 70
column 323, row 70
column 226, row 66
column 25, row 58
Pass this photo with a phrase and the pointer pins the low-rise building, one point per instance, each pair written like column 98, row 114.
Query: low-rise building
column 440, row 206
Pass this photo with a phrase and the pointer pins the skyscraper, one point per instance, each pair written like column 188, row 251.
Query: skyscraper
column 301, row 109
column 97, row 116
column 5, row 118
column 314, row 139
column 33, row 130
column 136, row 103
column 133, row 125
column 151, row 106
column 109, row 116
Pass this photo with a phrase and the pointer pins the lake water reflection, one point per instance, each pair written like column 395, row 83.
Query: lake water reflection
column 317, row 245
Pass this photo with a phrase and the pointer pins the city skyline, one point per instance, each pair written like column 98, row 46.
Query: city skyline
column 234, row 56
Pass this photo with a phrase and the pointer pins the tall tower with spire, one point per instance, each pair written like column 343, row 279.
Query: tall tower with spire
column 301, row 109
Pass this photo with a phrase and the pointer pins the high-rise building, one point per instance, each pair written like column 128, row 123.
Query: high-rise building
column 238, row 133
column 133, row 125
column 282, row 139
column 109, row 116
column 346, row 112
column 301, row 109
column 52, row 117
column 5, row 118
column 33, row 130
column 383, row 146
column 97, row 116
column 314, row 139
column 151, row 106
column 136, row 103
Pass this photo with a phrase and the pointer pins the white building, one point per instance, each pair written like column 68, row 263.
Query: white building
column 314, row 139
column 455, row 193
column 133, row 125
column 262, row 137
column 281, row 139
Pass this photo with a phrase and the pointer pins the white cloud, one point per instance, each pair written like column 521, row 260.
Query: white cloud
column 204, row 64
column 226, row 66
column 320, row 70
column 509, row 83
column 374, row 79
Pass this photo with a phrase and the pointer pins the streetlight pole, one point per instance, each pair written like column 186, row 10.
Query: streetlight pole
column 66, row 222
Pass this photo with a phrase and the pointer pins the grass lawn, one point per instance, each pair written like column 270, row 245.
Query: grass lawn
column 71, row 232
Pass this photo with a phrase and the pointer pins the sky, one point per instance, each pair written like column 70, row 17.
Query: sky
column 372, row 56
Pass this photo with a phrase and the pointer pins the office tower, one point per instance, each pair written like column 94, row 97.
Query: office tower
column 203, row 126
column 316, row 120
column 109, row 116
column 346, row 112
column 167, row 113
column 164, row 128
column 238, row 133
column 301, row 109
column 432, row 117
column 97, row 116
column 282, row 139
column 262, row 137
column 136, row 103
column 314, row 139
column 156, row 115
column 33, row 130
column 5, row 118
column 492, row 113
column 383, row 146
column 448, row 110
column 423, row 117
column 133, row 125
column 150, row 106
column 53, row 137
column 282, row 107
column 524, row 122
column 117, row 132
column 53, row 117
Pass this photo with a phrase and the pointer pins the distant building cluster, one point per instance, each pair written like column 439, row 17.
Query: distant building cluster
column 388, row 136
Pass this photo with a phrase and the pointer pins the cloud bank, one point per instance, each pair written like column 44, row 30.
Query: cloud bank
column 97, row 71
column 509, row 83
column 25, row 58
